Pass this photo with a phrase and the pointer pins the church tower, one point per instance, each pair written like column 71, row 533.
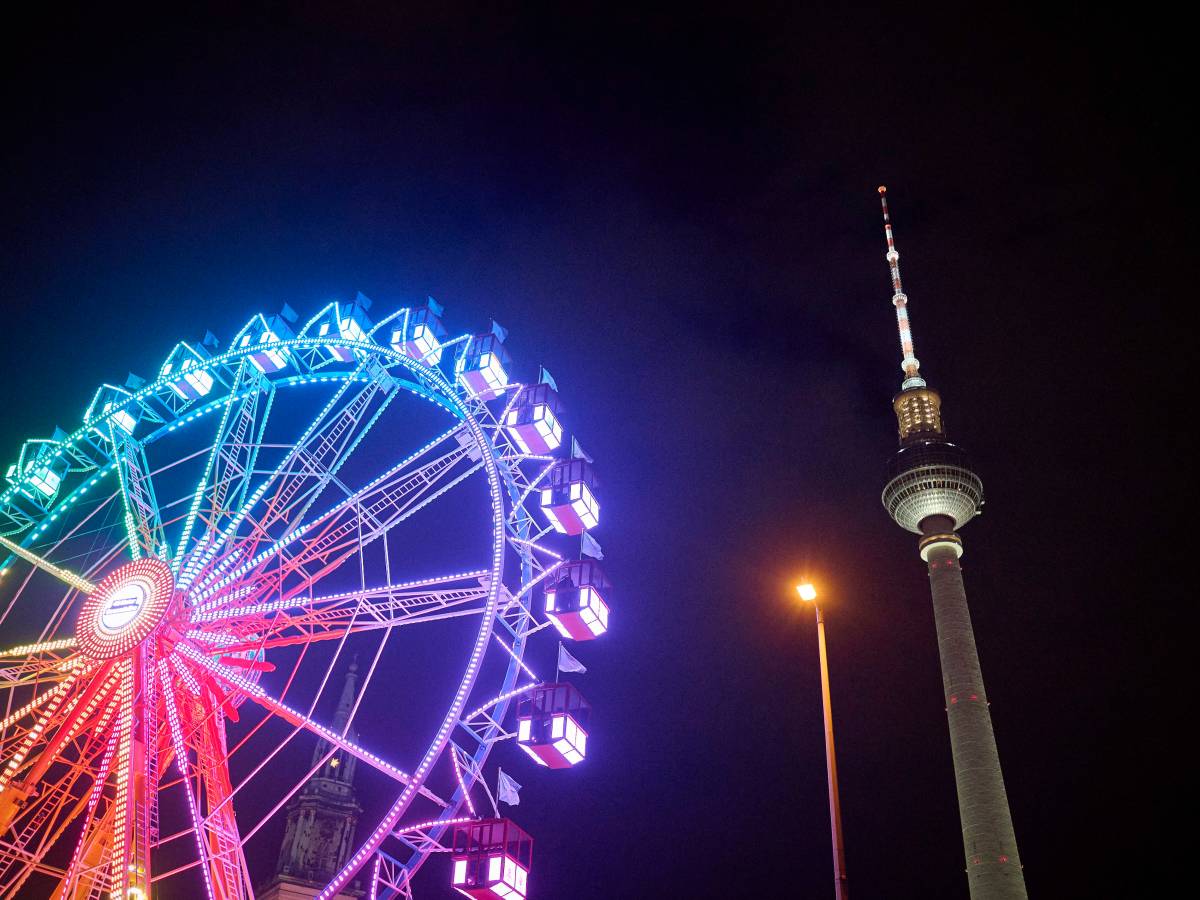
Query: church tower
column 321, row 819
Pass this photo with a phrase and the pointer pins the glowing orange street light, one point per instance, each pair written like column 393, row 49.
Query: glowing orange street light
column 808, row 594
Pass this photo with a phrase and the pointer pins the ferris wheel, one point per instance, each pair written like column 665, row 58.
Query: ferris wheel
column 185, row 576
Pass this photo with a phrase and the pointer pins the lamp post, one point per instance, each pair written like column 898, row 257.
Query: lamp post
column 808, row 594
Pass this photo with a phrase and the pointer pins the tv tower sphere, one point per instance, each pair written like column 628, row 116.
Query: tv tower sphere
column 933, row 491
column 931, row 477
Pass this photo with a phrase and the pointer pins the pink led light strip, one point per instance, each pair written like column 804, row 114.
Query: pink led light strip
column 122, row 812
column 520, row 662
column 182, row 764
column 459, row 776
column 34, row 734
column 93, row 800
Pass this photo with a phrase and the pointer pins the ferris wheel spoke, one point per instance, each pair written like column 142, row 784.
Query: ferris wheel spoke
column 228, row 846
column 90, row 874
column 281, row 623
column 288, row 631
column 35, row 671
column 21, row 734
column 51, row 648
column 405, row 477
column 47, row 663
column 334, row 450
column 66, row 577
column 12, row 794
column 230, row 875
column 143, row 521
column 322, row 449
column 129, row 852
column 306, row 470
column 226, row 607
column 364, row 516
column 56, row 690
column 293, row 717
column 35, row 811
column 297, row 573
column 89, row 707
column 92, row 565
column 226, row 479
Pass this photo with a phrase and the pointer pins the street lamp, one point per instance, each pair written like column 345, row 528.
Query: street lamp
column 808, row 594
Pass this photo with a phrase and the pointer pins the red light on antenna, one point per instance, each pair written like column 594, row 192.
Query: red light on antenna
column 882, row 189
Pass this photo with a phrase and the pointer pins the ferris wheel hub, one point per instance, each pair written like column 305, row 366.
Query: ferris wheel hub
column 125, row 608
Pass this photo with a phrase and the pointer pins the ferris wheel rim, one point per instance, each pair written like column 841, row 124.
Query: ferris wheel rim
column 450, row 402
column 158, row 385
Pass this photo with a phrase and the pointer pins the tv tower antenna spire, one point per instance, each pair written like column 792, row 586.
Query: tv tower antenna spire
column 909, row 364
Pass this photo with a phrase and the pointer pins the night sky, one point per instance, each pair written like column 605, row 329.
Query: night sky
column 676, row 214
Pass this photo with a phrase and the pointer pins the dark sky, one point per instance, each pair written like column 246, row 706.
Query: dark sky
column 676, row 213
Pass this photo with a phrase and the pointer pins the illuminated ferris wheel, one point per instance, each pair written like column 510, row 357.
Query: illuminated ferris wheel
column 185, row 575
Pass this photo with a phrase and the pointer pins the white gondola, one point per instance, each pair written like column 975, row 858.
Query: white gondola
column 419, row 333
column 185, row 367
column 483, row 366
column 569, row 500
column 347, row 321
column 40, row 468
column 534, row 422
column 264, row 333
column 114, row 405
column 577, row 600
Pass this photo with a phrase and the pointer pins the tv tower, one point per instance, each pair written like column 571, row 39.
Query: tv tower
column 932, row 491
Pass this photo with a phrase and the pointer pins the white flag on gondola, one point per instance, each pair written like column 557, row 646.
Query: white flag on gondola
column 507, row 790
column 591, row 547
column 568, row 663
column 577, row 451
column 545, row 377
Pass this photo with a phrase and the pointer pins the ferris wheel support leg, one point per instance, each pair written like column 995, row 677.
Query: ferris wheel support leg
column 91, row 842
column 81, row 883
column 226, row 860
column 12, row 801
column 186, row 777
column 130, row 863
